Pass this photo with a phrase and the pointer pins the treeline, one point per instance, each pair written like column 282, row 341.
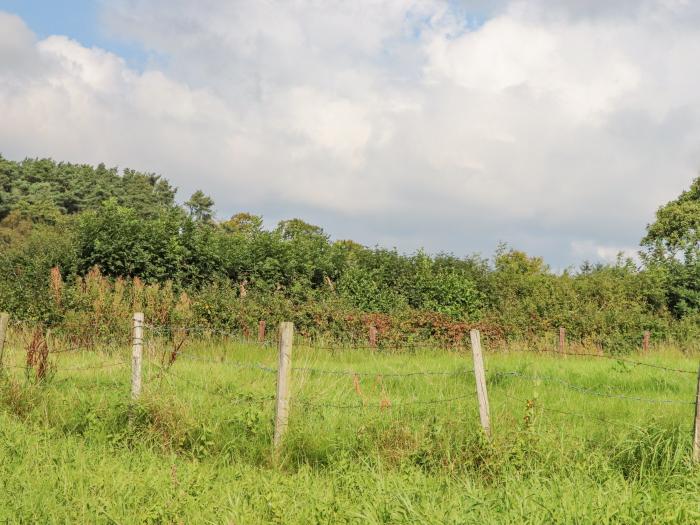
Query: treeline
column 88, row 245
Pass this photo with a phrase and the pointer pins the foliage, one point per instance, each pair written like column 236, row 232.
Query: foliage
column 127, row 228
column 672, row 244
column 41, row 186
column 200, row 207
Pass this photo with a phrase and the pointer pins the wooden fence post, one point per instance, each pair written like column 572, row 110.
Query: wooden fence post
column 261, row 331
column 562, row 340
column 373, row 336
column 4, row 320
column 284, row 369
column 645, row 341
column 136, row 355
column 480, row 375
column 696, row 428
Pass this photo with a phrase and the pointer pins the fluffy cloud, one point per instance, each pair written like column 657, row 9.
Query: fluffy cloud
column 420, row 123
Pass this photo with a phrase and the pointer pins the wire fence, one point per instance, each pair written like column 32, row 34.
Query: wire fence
column 238, row 335
column 166, row 368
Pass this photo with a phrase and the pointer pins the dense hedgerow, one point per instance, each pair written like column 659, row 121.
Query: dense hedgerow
column 89, row 245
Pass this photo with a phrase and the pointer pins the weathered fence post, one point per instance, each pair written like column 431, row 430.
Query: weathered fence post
column 696, row 427
column 261, row 331
column 645, row 341
column 284, row 369
column 373, row 336
column 480, row 375
column 4, row 321
column 562, row 340
column 136, row 355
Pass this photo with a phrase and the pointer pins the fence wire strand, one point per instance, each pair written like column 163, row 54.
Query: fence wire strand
column 574, row 414
column 325, row 371
column 233, row 364
column 380, row 346
column 167, row 372
column 616, row 358
column 363, row 406
column 586, row 390
column 352, row 373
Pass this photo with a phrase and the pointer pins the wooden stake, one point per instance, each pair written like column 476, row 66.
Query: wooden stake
column 562, row 340
column 136, row 355
column 373, row 336
column 480, row 375
column 4, row 320
column 696, row 432
column 645, row 341
column 261, row 331
column 284, row 369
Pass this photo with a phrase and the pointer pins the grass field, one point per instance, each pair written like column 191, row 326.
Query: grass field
column 575, row 440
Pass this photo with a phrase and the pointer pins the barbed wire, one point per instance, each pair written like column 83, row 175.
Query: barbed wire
column 418, row 346
column 363, row 406
column 196, row 328
column 87, row 348
column 112, row 384
column 37, row 323
column 69, row 350
column 165, row 372
column 97, row 367
column 235, row 364
column 535, row 406
column 353, row 373
column 325, row 371
column 230, row 333
column 586, row 390
column 379, row 346
column 57, row 369
column 615, row 358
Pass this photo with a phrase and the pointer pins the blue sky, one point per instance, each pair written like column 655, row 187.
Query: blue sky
column 77, row 19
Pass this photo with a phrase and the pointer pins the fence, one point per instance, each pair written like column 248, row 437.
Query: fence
column 37, row 353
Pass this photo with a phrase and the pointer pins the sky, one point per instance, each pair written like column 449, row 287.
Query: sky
column 453, row 126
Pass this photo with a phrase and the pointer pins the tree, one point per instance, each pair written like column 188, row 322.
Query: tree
column 672, row 244
column 122, row 243
column 37, row 185
column 676, row 232
column 296, row 228
column 243, row 223
column 200, row 207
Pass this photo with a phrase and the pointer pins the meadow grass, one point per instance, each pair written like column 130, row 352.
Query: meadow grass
column 367, row 448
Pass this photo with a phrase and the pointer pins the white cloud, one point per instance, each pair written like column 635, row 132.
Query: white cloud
column 559, row 129
column 337, row 125
column 576, row 67
column 592, row 251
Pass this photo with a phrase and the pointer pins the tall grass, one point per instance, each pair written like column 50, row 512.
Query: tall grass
column 369, row 447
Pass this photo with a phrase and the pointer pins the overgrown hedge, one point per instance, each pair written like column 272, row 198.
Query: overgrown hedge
column 87, row 246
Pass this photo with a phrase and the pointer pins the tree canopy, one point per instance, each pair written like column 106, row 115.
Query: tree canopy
column 672, row 246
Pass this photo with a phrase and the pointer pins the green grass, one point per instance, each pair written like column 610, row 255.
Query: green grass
column 197, row 447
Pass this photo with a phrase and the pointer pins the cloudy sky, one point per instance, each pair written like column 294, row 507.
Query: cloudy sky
column 450, row 125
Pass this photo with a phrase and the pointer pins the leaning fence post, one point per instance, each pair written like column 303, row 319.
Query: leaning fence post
column 136, row 355
column 562, row 340
column 284, row 369
column 696, row 428
column 4, row 320
column 480, row 375
column 261, row 331
column 645, row 341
